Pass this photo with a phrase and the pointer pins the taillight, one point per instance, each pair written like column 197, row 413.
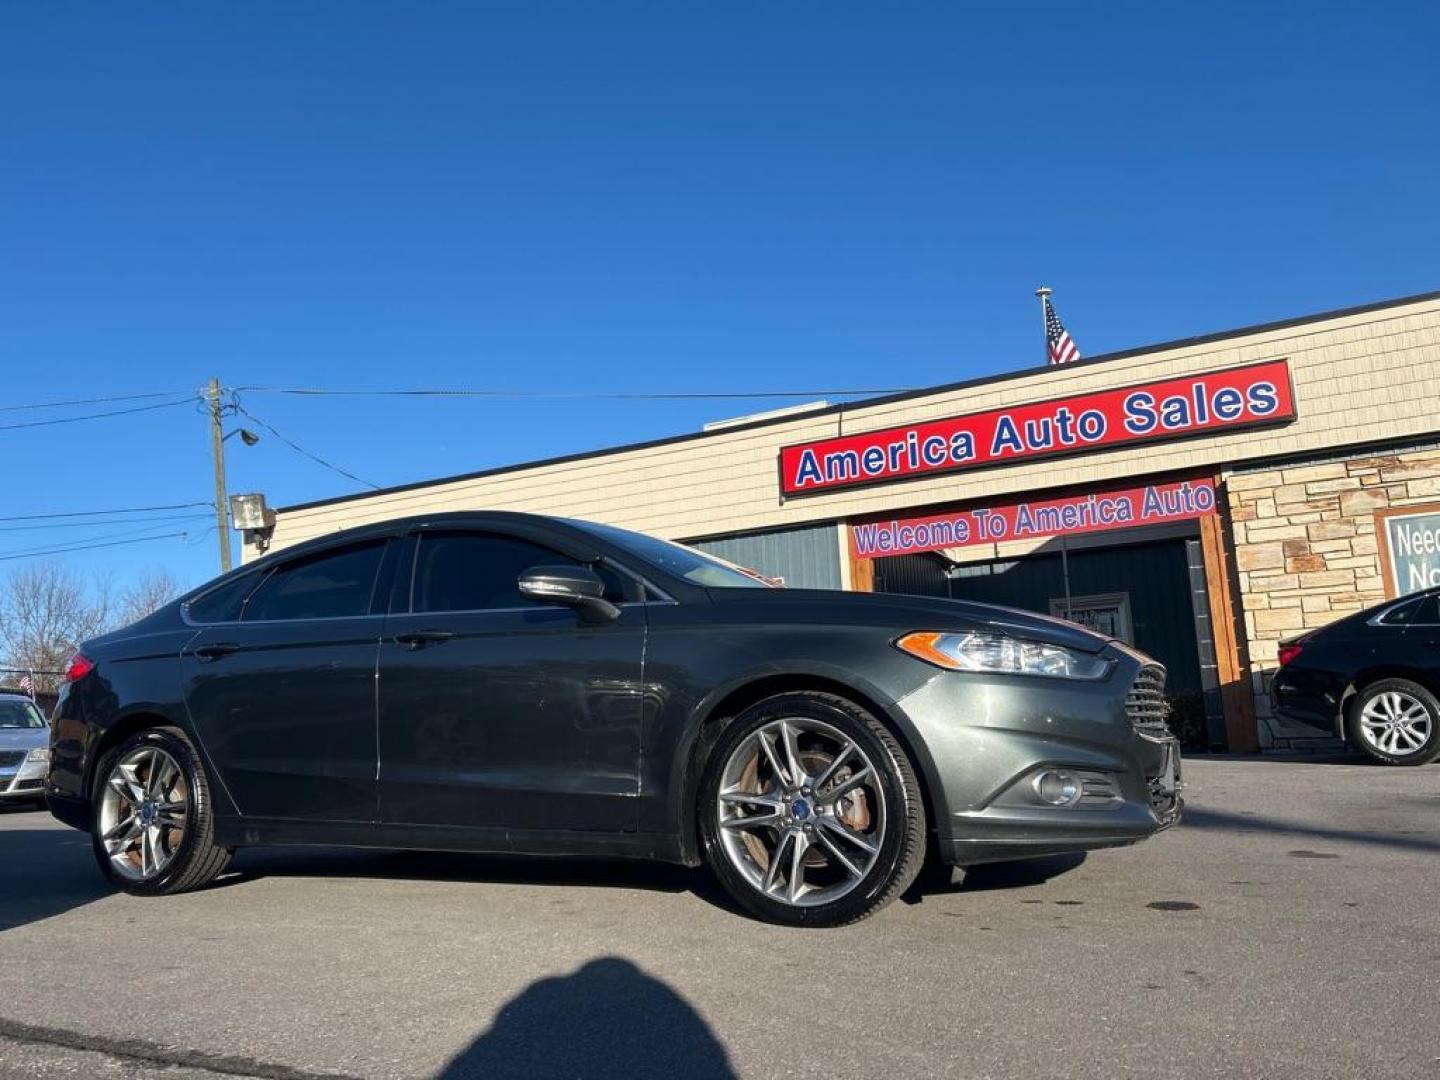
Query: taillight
column 80, row 666
column 1290, row 652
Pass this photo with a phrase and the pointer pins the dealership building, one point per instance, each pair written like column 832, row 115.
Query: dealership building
column 1202, row 499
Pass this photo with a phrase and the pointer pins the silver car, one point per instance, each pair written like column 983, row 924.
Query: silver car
column 24, row 749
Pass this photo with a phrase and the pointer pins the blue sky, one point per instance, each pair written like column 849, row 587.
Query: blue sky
column 628, row 197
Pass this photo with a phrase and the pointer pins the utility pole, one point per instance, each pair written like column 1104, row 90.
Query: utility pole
column 217, row 447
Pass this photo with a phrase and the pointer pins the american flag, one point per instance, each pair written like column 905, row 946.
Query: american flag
column 27, row 683
column 1062, row 348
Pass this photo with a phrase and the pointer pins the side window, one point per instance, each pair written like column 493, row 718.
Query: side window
column 222, row 603
column 456, row 571
column 1429, row 612
column 330, row 585
column 1401, row 614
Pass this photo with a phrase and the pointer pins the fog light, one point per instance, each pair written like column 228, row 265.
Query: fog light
column 1058, row 788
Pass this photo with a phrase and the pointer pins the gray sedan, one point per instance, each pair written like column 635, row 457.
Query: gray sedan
column 24, row 749
column 514, row 683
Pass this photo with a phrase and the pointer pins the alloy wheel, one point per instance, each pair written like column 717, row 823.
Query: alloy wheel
column 1395, row 723
column 143, row 813
column 801, row 811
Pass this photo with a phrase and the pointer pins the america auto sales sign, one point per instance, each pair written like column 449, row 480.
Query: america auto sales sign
column 1208, row 403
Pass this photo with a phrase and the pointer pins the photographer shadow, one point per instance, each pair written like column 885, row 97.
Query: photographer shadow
column 608, row 1019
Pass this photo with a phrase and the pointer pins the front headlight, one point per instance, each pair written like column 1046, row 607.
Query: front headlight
column 996, row 652
column 40, row 754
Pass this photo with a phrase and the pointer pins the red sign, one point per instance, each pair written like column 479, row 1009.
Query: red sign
column 1074, row 515
column 1166, row 409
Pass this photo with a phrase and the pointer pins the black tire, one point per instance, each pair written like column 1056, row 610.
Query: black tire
column 1421, row 755
column 901, row 847
column 197, row 859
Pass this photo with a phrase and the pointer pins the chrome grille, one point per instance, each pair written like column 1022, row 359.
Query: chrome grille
column 1146, row 705
column 10, row 758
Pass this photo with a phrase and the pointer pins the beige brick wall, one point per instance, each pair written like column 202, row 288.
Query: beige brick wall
column 1358, row 378
column 1307, row 552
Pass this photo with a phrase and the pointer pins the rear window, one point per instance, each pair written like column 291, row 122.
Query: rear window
column 331, row 585
column 1403, row 614
column 222, row 603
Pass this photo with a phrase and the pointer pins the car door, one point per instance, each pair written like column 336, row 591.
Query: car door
column 282, row 694
column 500, row 712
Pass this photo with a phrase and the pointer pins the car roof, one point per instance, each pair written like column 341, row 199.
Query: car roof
column 570, row 536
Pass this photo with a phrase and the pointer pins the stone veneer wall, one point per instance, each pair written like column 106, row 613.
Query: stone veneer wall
column 1306, row 552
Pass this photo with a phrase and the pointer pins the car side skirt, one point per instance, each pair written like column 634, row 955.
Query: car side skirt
column 251, row 832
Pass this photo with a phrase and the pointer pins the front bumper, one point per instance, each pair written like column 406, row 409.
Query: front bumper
column 986, row 737
column 23, row 781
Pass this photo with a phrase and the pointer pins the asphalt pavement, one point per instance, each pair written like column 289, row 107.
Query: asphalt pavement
column 1290, row 927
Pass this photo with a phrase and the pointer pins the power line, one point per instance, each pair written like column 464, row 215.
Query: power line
column 97, row 513
column 89, row 547
column 301, row 450
column 95, row 416
column 90, row 401
column 104, row 523
column 81, row 543
column 582, row 395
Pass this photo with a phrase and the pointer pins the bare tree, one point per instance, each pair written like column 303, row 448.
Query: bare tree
column 46, row 611
column 151, row 590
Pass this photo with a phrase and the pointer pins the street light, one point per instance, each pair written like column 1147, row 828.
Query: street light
column 248, row 437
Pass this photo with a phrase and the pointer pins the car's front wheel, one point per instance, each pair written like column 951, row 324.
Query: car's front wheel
column 810, row 811
column 153, row 826
column 1396, row 722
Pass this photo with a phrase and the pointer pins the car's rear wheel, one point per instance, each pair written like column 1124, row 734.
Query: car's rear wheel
column 1396, row 722
column 153, row 828
column 810, row 811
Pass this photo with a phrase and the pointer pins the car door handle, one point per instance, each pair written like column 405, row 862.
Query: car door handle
column 418, row 639
column 206, row 653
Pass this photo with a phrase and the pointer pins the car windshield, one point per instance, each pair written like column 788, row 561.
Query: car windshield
column 19, row 713
column 680, row 561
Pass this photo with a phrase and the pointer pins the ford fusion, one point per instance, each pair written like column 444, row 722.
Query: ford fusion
column 509, row 683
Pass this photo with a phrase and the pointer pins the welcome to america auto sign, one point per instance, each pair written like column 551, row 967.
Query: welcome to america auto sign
column 1035, row 519
column 1232, row 399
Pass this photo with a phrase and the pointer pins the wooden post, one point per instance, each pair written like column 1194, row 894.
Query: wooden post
column 862, row 571
column 1232, row 661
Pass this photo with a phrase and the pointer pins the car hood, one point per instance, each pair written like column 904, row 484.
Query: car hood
column 915, row 613
column 23, row 738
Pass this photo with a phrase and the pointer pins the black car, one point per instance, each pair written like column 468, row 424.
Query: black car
column 510, row 683
column 1371, row 679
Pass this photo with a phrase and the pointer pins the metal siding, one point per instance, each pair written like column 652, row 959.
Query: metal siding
column 807, row 558
column 913, row 575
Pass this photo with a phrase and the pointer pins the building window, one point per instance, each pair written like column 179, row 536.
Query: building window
column 1107, row 614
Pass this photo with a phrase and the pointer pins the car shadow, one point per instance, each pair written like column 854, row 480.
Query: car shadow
column 608, row 1019
column 1225, row 821
column 60, row 872
column 937, row 880
column 253, row 864
column 1337, row 756
column 48, row 870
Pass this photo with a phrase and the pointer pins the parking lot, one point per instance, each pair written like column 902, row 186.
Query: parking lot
column 1288, row 928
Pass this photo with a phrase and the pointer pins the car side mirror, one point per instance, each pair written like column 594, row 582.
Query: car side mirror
column 578, row 587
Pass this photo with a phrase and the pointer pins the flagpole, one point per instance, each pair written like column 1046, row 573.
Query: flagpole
column 1043, row 292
